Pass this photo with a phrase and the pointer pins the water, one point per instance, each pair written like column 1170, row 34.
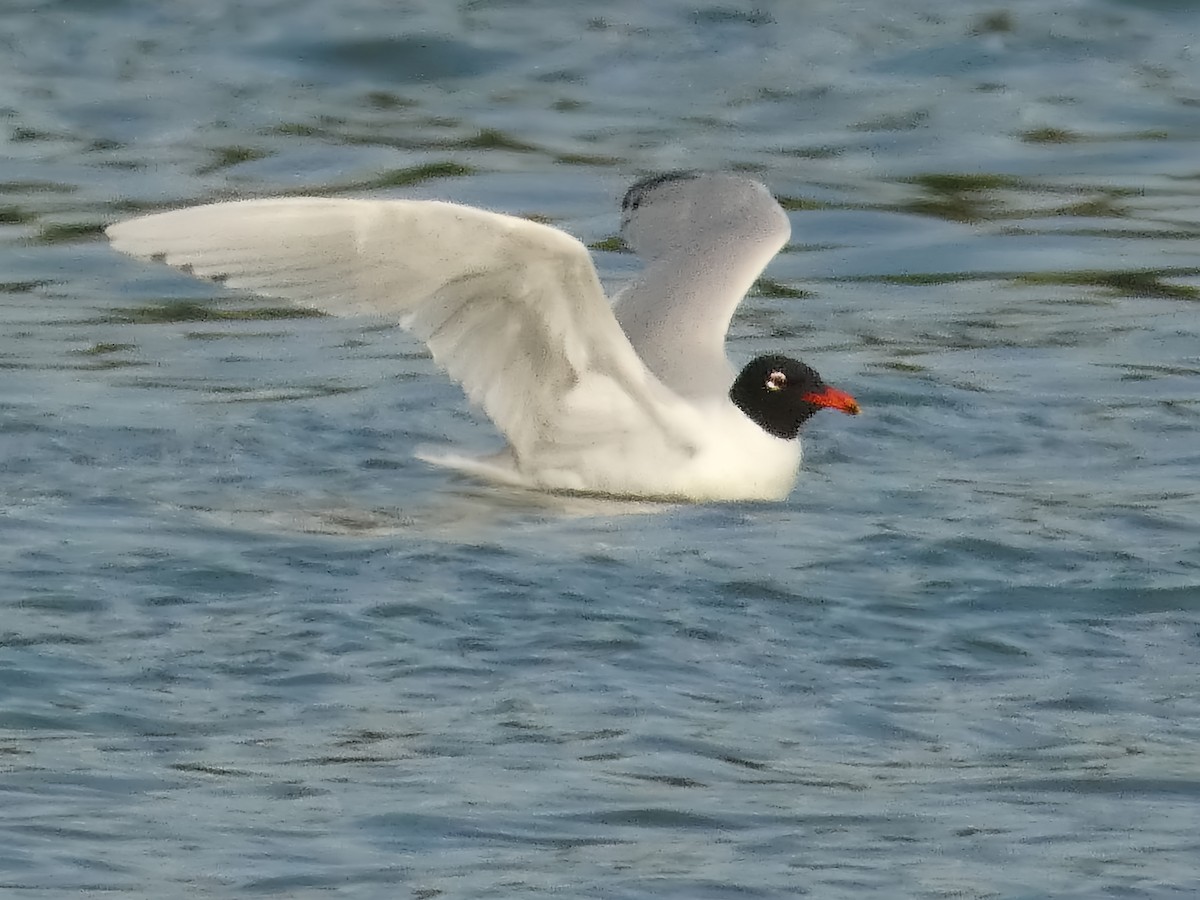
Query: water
column 250, row 647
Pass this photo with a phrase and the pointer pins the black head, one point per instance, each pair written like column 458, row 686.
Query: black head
column 779, row 394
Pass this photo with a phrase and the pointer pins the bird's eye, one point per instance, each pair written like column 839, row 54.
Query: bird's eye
column 776, row 381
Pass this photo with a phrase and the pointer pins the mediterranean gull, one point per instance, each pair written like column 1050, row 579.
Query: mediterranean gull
column 635, row 398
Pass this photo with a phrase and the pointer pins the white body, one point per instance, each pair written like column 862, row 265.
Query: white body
column 514, row 311
column 737, row 461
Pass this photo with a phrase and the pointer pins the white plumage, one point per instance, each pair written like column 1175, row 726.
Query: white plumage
column 633, row 403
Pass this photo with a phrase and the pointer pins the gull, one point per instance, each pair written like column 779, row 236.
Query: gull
column 633, row 398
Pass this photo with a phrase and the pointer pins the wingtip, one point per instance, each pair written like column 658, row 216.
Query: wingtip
column 136, row 236
column 639, row 189
column 121, row 239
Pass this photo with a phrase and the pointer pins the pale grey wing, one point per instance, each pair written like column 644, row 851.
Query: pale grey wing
column 511, row 309
column 705, row 239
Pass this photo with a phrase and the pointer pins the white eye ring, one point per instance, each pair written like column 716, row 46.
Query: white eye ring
column 776, row 381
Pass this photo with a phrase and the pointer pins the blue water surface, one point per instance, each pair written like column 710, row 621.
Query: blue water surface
column 251, row 647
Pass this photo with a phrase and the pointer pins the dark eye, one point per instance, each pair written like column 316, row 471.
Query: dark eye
column 776, row 381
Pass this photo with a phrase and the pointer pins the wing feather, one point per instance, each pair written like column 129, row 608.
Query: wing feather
column 705, row 238
column 512, row 309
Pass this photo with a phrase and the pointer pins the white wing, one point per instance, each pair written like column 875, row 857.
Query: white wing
column 705, row 239
column 511, row 309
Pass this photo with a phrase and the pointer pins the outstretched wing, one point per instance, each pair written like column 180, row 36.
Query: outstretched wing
column 705, row 238
column 511, row 309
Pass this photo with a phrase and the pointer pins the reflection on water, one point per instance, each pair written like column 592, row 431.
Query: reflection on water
column 457, row 512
